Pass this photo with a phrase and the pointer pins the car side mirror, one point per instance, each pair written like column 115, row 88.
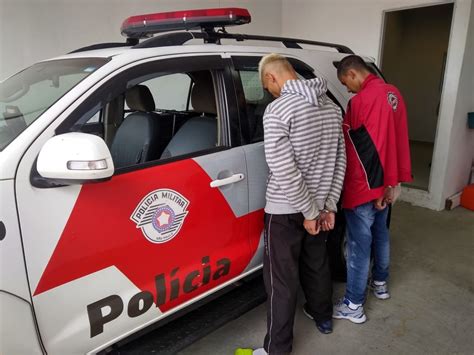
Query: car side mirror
column 74, row 158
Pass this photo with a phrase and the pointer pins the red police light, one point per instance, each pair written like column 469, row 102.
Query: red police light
column 145, row 25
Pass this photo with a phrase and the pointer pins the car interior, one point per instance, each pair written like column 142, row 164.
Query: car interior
column 138, row 130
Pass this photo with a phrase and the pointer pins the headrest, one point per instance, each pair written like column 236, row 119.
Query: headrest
column 203, row 98
column 139, row 98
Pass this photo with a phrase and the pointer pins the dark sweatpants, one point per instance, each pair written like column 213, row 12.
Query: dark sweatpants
column 292, row 255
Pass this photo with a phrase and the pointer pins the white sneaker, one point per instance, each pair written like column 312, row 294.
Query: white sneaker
column 380, row 290
column 343, row 311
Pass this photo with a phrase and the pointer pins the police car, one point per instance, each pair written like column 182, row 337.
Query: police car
column 132, row 177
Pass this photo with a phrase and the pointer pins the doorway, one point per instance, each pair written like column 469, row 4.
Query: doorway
column 414, row 51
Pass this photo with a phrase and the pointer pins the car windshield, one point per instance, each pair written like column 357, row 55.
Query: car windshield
column 29, row 93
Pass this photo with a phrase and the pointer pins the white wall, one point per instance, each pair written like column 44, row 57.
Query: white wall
column 32, row 30
column 461, row 150
column 358, row 24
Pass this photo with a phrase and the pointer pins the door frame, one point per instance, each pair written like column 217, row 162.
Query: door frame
column 433, row 198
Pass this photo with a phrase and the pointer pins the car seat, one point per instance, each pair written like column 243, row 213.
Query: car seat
column 137, row 139
column 199, row 132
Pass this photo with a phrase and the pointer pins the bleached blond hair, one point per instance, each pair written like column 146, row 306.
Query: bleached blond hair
column 275, row 62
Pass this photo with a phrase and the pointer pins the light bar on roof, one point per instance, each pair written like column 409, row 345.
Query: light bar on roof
column 145, row 25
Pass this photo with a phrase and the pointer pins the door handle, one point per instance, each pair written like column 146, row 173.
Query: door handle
column 230, row 180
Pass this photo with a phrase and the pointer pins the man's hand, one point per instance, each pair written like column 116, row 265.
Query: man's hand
column 389, row 194
column 327, row 220
column 380, row 203
column 312, row 226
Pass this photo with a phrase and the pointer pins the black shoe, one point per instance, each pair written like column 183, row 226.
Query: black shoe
column 324, row 327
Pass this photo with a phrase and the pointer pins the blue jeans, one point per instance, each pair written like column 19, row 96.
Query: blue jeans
column 366, row 231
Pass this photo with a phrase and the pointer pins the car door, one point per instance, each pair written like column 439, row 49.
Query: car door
column 171, row 226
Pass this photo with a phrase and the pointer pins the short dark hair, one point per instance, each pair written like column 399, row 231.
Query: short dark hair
column 351, row 62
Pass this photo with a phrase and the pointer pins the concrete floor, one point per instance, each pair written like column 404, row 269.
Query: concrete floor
column 432, row 306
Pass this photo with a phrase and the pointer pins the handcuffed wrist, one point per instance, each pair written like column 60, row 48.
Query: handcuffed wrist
column 331, row 206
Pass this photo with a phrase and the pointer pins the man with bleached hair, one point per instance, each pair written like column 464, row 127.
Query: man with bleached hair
column 305, row 153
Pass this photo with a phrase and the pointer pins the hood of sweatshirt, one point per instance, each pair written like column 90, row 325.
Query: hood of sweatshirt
column 312, row 90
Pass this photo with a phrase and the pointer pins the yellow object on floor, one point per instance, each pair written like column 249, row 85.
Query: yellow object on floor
column 240, row 351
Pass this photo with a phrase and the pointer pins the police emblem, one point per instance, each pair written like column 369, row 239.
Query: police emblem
column 160, row 215
column 392, row 100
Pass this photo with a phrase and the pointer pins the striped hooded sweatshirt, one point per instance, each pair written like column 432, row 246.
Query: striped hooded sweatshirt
column 304, row 150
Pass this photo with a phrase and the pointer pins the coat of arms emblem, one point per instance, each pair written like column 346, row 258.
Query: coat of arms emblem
column 160, row 215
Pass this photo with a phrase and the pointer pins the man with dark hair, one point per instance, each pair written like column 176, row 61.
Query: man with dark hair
column 351, row 62
column 378, row 159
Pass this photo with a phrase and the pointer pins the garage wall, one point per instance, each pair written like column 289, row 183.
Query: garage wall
column 359, row 25
column 461, row 150
column 32, row 30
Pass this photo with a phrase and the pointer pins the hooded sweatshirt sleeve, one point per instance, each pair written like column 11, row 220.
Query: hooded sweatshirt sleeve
column 283, row 168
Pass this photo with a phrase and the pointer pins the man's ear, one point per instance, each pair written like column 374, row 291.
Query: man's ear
column 352, row 74
column 271, row 77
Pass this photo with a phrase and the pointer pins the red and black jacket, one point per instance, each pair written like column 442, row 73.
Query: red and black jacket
column 376, row 136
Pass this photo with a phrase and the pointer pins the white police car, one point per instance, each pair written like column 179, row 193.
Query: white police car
column 132, row 178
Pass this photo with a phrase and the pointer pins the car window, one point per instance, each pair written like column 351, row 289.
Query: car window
column 26, row 95
column 157, row 115
column 252, row 86
column 180, row 109
column 256, row 101
column 96, row 118
column 171, row 92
